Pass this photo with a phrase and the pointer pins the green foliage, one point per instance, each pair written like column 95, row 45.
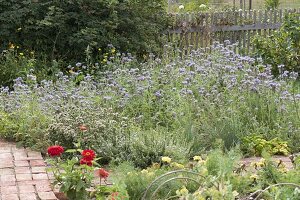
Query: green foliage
column 190, row 6
column 8, row 127
column 254, row 145
column 282, row 47
column 13, row 64
column 26, row 126
column 64, row 29
column 109, row 139
column 272, row 4
column 74, row 179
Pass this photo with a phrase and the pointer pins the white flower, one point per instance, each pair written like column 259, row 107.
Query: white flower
column 202, row 6
column 181, row 7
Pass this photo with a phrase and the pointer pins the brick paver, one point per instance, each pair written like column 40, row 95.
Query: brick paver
column 23, row 174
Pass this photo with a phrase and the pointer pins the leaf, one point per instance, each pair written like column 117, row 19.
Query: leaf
column 71, row 151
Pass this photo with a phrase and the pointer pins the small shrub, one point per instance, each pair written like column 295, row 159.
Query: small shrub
column 256, row 144
column 272, row 4
column 281, row 50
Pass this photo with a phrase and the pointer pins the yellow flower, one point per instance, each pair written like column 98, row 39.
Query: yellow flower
column 204, row 171
column 182, row 192
column 155, row 166
column 254, row 177
column 99, row 49
column 166, row 159
column 21, row 54
column 144, row 171
column 235, row 193
column 113, row 50
column 11, row 46
column 177, row 165
column 150, row 174
column 197, row 158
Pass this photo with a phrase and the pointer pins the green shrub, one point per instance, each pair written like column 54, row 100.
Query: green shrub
column 13, row 64
column 282, row 47
column 254, row 145
column 64, row 29
column 272, row 4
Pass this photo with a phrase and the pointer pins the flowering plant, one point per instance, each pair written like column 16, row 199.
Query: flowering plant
column 74, row 176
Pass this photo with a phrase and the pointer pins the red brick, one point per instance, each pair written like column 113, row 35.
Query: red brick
column 23, row 177
column 22, row 170
column 21, row 163
column 47, row 196
column 40, row 176
column 37, row 163
column 9, row 190
column 28, row 196
column 34, row 154
column 26, row 189
column 7, row 164
column 17, row 149
column 7, row 171
column 6, row 156
column 7, row 178
column 34, row 182
column 5, row 149
column 20, row 157
column 10, row 197
column 7, row 183
column 36, row 170
column 43, row 187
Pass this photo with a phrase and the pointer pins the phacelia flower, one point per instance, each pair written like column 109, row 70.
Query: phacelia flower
column 88, row 154
column 103, row 173
column 55, row 150
column 83, row 161
column 166, row 159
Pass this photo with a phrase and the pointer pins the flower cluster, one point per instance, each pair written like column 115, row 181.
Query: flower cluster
column 87, row 157
column 55, row 150
column 220, row 91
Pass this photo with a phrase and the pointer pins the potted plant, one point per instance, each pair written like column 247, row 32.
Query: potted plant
column 73, row 176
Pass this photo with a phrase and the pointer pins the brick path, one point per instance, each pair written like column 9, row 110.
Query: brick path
column 23, row 174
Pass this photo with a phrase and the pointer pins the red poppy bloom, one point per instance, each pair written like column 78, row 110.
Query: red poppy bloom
column 88, row 154
column 55, row 150
column 103, row 173
column 86, row 162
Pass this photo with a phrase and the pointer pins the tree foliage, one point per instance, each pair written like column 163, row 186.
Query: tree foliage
column 64, row 29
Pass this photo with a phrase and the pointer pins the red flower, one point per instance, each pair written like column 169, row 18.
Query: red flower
column 113, row 195
column 55, row 150
column 88, row 154
column 86, row 162
column 103, row 173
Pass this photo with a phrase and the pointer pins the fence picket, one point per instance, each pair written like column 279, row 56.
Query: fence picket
column 199, row 30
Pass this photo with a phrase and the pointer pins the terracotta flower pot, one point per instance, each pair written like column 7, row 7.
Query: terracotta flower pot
column 61, row 196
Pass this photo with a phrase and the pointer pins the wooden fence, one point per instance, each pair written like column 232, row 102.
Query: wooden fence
column 195, row 30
